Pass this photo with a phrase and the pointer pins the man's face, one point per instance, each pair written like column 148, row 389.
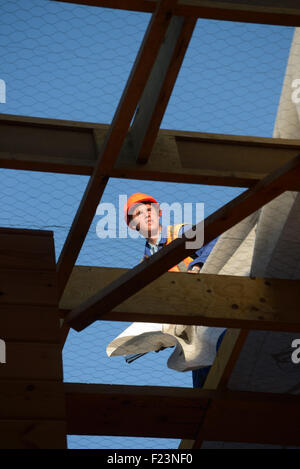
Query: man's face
column 145, row 218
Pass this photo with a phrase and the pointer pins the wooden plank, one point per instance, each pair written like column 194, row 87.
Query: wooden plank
column 166, row 412
column 200, row 158
column 27, row 269
column 54, row 141
column 51, row 145
column 28, row 277
column 214, row 225
column 226, row 358
column 177, row 156
column 26, row 252
column 24, row 231
column 30, row 323
column 226, row 300
column 32, row 399
column 159, row 87
column 255, row 421
column 27, row 287
column 64, row 331
column 117, row 132
column 219, row 374
column 32, row 360
column 221, row 370
column 249, row 11
column 31, row 375
column 32, row 434
column 43, row 163
column 132, row 410
column 23, row 235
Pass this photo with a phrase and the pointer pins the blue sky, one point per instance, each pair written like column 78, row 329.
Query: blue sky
column 65, row 61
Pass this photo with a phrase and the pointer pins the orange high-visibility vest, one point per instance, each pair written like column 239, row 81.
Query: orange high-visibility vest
column 172, row 233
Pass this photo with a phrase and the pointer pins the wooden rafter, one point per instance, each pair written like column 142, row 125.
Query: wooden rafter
column 249, row 11
column 170, row 412
column 214, row 225
column 226, row 300
column 178, row 156
column 157, row 93
column 219, row 374
column 137, row 80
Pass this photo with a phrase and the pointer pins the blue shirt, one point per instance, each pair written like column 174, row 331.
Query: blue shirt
column 199, row 256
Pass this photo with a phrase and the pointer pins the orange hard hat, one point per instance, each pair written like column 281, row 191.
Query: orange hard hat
column 138, row 198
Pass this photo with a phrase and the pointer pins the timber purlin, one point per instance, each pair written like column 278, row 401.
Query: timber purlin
column 170, row 412
column 219, row 375
column 226, row 300
column 177, row 156
column 157, row 92
column 249, row 11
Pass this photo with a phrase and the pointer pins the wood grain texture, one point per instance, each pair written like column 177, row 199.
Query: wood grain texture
column 29, row 322
column 158, row 90
column 177, row 156
column 204, row 299
column 28, row 287
column 219, row 375
column 32, row 399
column 32, row 360
column 32, row 434
column 166, row 412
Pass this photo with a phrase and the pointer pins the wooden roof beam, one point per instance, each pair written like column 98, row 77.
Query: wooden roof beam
column 214, row 225
column 211, row 159
column 170, row 412
column 214, row 300
column 158, row 90
column 112, row 145
column 249, row 11
column 178, row 156
column 220, row 373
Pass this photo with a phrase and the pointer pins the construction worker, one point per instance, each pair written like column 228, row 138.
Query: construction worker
column 142, row 213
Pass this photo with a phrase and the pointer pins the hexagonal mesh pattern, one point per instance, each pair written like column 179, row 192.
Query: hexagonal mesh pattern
column 66, row 61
